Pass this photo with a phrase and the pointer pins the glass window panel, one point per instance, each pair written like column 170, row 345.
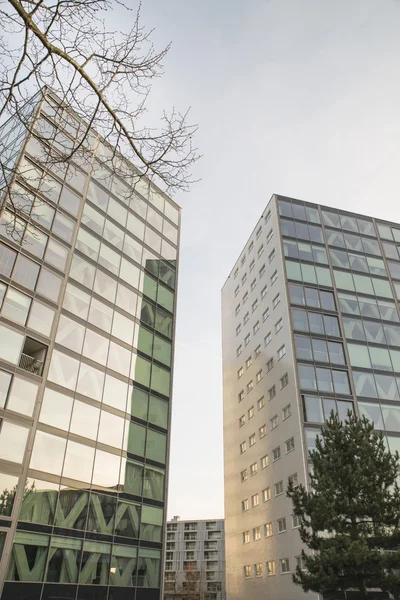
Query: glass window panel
column 16, row 306
column 366, row 227
column 156, row 446
column 132, row 478
column 7, row 259
column 78, row 462
column 95, row 347
column 106, row 469
column 387, row 310
column 100, row 315
column 285, row 208
column 359, row 356
column 136, row 435
column 380, row 359
column 97, row 195
column 394, row 270
column 70, row 334
column 140, row 370
column 349, row 223
column 392, row 333
column 165, row 298
column 353, row 242
column 129, row 273
column 358, row 263
column 353, row 329
column 343, row 280
column 335, row 238
column 11, row 344
column 158, row 412
column 90, row 382
column 339, row 258
column 3, row 289
column 396, row 234
column 312, row 297
column 313, row 408
column 307, row 377
column 76, row 301
column 95, row 565
column 151, row 525
column 63, row 370
column 63, row 227
column 391, row 417
column 48, row 453
column 344, row 408
column 170, row 232
column 305, row 251
column 114, row 235
column 109, row 259
column 290, row 248
column 50, row 188
column 374, row 332
column 70, row 201
column 320, row 350
column 64, row 560
column 331, row 325
column 119, row 359
column 87, row 244
column 319, row 254
column 105, row 286
column 287, row 228
column 341, row 382
column 293, row 270
column 300, row 320
column 376, row 266
column 135, row 226
column 132, row 248
column 153, row 483
column 327, row 300
column 368, row 307
column 365, row 384
column 26, row 272
column 11, row 227
column 93, row 219
column 117, row 212
column 101, row 514
column 371, row 247
column 123, row 565
column 348, row 304
column 299, row 211
column 382, row 288
column 387, row 387
column 160, row 380
column 49, row 284
column 149, row 568
column 115, row 392
column 336, row 353
column 122, row 328
column 12, row 441
column 128, row 525
column 312, row 214
column 168, row 252
column 162, row 351
column 390, row 250
column 56, row 409
column 308, row 273
column 163, row 323
column 329, row 407
column 5, row 380
column 302, row 231
column 111, row 430
column 324, row 378
column 56, row 254
column 23, row 396
column 35, row 241
column 316, row 323
column 85, row 420
column 363, row 284
column 331, row 218
column 139, row 404
column 41, row 318
column 126, row 299
column 34, row 546
column 8, row 487
column 296, row 293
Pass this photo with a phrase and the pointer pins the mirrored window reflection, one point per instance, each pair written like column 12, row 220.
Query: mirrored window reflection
column 64, row 559
column 111, row 430
column 149, row 568
column 70, row 334
column 13, row 440
column 72, row 509
column 11, row 344
column 105, row 286
column 82, row 271
column 102, row 513
column 85, row 420
column 63, row 370
column 115, row 392
column 56, row 409
column 16, row 306
column 153, row 483
column 41, row 318
column 48, row 453
column 122, row 328
column 127, row 523
column 78, row 462
column 7, row 260
column 26, row 272
column 22, row 397
column 95, row 347
column 90, row 382
column 126, row 299
column 151, row 524
column 29, row 555
column 8, row 489
column 76, row 301
column 95, row 565
column 63, row 227
column 106, row 469
column 39, row 502
column 49, row 284
column 119, row 359
column 100, row 315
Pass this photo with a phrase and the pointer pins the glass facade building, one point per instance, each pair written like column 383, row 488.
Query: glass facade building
column 88, row 268
column 310, row 317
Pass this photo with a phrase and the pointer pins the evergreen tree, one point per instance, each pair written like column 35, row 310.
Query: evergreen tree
column 350, row 515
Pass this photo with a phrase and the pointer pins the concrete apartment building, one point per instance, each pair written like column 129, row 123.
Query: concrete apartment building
column 195, row 560
column 310, row 320
column 87, row 302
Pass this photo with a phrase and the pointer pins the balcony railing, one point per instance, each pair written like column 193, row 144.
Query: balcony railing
column 31, row 364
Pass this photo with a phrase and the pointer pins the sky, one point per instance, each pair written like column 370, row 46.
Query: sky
column 296, row 97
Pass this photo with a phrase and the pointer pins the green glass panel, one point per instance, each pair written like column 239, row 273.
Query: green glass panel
column 308, row 273
column 145, row 341
column 363, row 284
column 64, row 559
column 395, row 356
column 323, row 276
column 72, row 509
column 165, row 298
column 162, row 351
column 28, row 559
column 167, row 275
column 150, row 287
column 293, row 270
column 163, row 323
column 160, row 380
column 151, row 525
column 142, row 371
column 133, row 478
column 359, row 356
column 149, row 568
column 127, row 519
column 156, row 446
column 95, row 565
column 148, row 313
column 382, row 288
column 123, row 566
column 136, row 439
column 158, row 411
column 39, row 502
column 344, row 281
column 380, row 358
column 153, row 483
column 139, row 404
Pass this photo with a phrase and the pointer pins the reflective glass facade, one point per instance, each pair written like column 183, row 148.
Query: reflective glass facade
column 88, row 270
column 311, row 324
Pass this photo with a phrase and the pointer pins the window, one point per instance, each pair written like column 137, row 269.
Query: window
column 260, row 251
column 252, row 265
column 268, row 529
column 244, row 278
column 274, row 277
column 270, row 567
column 270, row 364
column 289, row 445
column 278, row 325
column 246, row 537
column 267, row 338
column 276, row 453
column 284, row 380
column 271, row 255
column 281, row 525
column 240, row 373
column 260, row 403
column 251, row 246
column 272, row 392
column 267, row 216
column 293, row 480
column 259, row 376
column 262, row 271
column 248, row 362
column 258, row 567
column 262, row 431
column 256, row 327
column 245, row 297
column 236, row 273
column 253, row 469
column 279, row 488
column 252, row 439
column 242, row 420
column 264, row 461
column 264, row 292
column 257, row 533
column 236, row 291
column 253, row 284
column 237, row 310
column 246, row 318
column 247, row 570
column 284, row 562
column 247, row 339
column 243, row 475
column 281, row 352
column 266, row 494
column 269, row 235
column 245, row 504
column 276, row 300
column 239, row 350
column 295, row 521
column 254, row 305
column 286, row 412
column 250, row 412
column 238, row 328
column 257, row 351
column 254, row 500
column 265, row 314
column 258, row 232
column 250, row 386
column 241, row 396
column 243, row 260
column 243, row 447
column 300, row 562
